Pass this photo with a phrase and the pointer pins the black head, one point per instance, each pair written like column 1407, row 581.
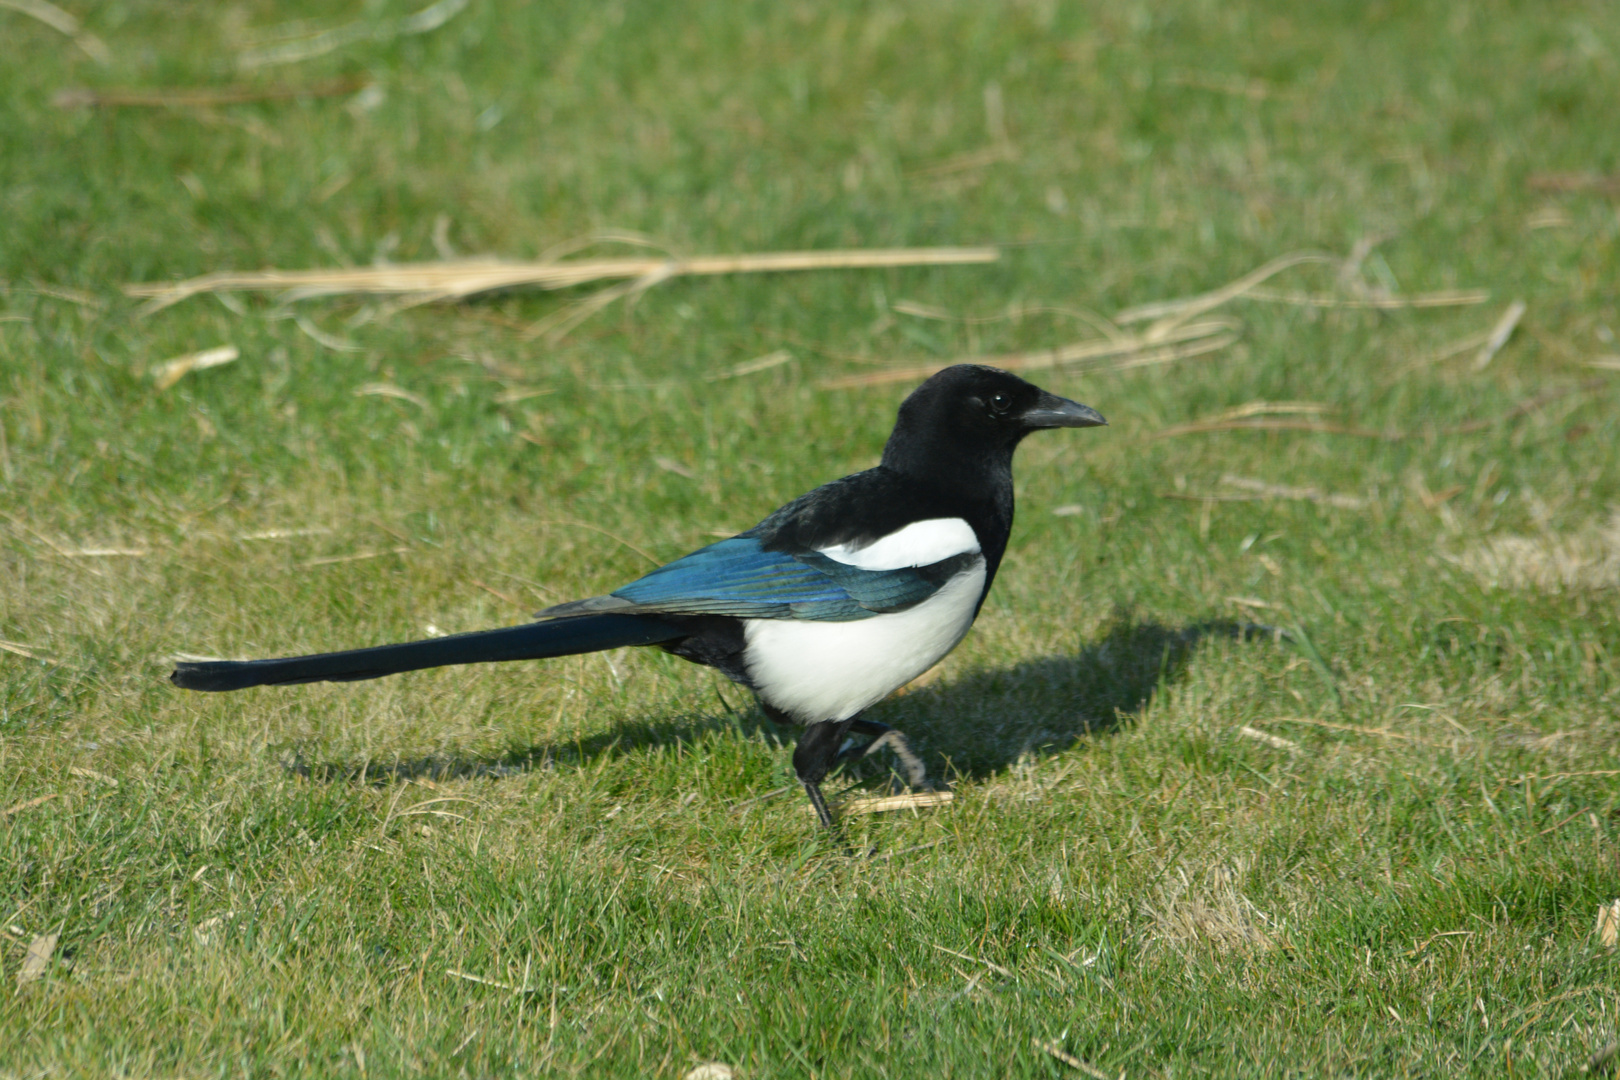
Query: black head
column 972, row 416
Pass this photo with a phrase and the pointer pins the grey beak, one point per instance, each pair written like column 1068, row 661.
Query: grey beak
column 1052, row 411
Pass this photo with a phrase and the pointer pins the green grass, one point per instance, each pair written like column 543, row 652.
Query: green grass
column 269, row 887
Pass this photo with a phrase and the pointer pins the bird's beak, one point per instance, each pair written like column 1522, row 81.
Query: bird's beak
column 1052, row 411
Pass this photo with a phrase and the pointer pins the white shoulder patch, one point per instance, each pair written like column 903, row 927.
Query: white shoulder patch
column 922, row 543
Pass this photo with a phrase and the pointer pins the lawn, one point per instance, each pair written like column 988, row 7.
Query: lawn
column 1285, row 745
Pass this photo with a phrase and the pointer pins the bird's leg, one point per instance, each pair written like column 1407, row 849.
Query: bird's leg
column 884, row 735
column 814, row 757
column 819, row 801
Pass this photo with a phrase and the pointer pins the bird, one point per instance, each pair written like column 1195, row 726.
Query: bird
column 823, row 609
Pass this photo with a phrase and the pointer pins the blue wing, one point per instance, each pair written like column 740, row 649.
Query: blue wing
column 738, row 577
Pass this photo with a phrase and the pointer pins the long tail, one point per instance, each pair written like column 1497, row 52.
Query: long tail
column 533, row 641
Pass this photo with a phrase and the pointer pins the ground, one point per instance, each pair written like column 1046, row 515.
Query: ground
column 1285, row 745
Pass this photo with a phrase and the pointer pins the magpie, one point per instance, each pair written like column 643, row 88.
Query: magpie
column 823, row 609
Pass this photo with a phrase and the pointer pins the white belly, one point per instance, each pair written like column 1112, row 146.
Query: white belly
column 832, row 670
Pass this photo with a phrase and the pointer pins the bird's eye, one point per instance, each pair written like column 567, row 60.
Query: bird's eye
column 1000, row 403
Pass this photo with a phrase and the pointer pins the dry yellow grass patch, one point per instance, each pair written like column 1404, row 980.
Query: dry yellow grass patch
column 1213, row 910
column 1583, row 561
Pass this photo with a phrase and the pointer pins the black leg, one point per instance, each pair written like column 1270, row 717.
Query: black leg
column 818, row 801
column 814, row 757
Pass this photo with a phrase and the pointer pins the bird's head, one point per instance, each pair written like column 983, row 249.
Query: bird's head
column 970, row 412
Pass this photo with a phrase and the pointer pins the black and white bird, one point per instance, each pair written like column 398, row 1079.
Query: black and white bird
column 823, row 609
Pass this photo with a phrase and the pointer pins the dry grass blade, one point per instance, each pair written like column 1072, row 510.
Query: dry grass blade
column 769, row 795
column 556, row 326
column 1276, row 742
column 1236, row 85
column 569, row 523
column 61, row 21
column 77, row 552
column 41, row 537
column 23, row 651
column 290, row 52
column 38, row 959
column 1167, row 314
column 321, row 337
column 1439, row 299
column 334, row 560
column 1529, row 405
column 1446, row 352
column 1193, row 339
column 670, row 465
column 461, row 278
column 1605, row 185
column 284, row 534
column 918, row 309
column 1015, row 312
column 505, row 597
column 1382, row 733
column 967, row 161
column 1608, row 924
column 1249, row 422
column 90, row 774
column 389, row 390
column 513, row 395
column 425, row 808
column 915, row 800
column 29, row 804
column 1170, row 335
column 170, row 372
column 711, row 1070
column 1252, row 490
column 907, row 851
column 1549, row 217
column 1441, row 936
column 1275, row 408
column 1000, row 149
column 1499, row 335
column 753, row 367
column 1265, row 424
column 72, row 296
column 1187, row 307
column 997, row 968
column 496, row 983
column 1070, row 1060
column 199, row 96
column 1168, row 353
column 49, row 14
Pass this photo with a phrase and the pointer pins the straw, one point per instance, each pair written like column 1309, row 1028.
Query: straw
column 61, row 21
column 201, row 97
column 457, row 279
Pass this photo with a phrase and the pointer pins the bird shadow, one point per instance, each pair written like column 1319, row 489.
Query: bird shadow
column 624, row 740
column 981, row 724
column 973, row 727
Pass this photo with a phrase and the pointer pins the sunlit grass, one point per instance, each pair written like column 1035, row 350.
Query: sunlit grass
column 1369, row 840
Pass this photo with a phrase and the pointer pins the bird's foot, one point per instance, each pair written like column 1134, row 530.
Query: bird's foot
column 916, row 772
column 817, row 800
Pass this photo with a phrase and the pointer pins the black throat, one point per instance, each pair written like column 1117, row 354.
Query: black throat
column 968, row 471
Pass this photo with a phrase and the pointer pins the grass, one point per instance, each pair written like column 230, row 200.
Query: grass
column 1373, row 847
